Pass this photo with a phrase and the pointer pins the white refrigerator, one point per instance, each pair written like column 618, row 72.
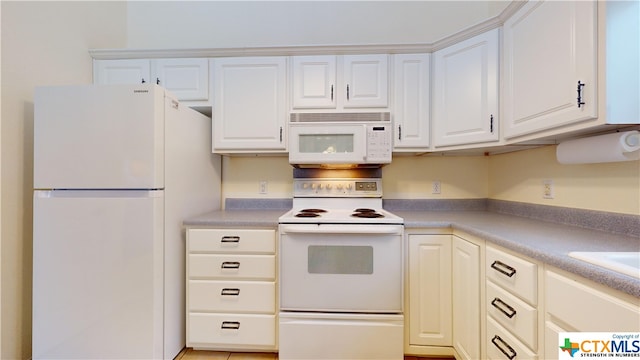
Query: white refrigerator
column 117, row 168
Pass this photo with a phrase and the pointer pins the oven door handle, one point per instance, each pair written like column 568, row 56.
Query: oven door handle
column 341, row 229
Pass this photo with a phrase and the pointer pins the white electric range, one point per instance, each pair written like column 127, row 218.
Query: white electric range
column 341, row 272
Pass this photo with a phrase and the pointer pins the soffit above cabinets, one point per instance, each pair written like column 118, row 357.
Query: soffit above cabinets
column 469, row 32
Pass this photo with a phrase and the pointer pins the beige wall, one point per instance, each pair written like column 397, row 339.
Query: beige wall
column 516, row 176
column 463, row 177
column 519, row 176
column 43, row 43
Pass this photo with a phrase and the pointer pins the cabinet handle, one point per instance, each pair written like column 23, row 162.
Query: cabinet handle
column 233, row 325
column 347, row 92
column 230, row 239
column 511, row 354
column 143, row 81
column 498, row 303
column 491, row 124
column 331, row 92
column 280, row 134
column 157, row 81
column 230, row 292
column 580, row 86
column 503, row 268
column 230, row 265
column 399, row 132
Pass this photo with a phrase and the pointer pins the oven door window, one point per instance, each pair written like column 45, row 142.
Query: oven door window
column 332, row 259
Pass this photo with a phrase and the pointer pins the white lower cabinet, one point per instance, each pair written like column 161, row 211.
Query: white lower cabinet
column 467, row 298
column 231, row 289
column 575, row 304
column 428, row 306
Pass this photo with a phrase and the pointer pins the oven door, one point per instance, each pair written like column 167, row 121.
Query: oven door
column 327, row 144
column 341, row 268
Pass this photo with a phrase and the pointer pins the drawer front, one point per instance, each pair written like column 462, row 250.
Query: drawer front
column 220, row 266
column 503, row 346
column 231, row 329
column 606, row 312
column 518, row 276
column 514, row 314
column 232, row 296
column 231, row 240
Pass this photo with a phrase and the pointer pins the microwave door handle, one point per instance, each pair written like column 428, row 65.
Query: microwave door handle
column 341, row 229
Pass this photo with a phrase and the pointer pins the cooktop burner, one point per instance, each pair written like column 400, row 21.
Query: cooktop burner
column 364, row 210
column 366, row 213
column 317, row 211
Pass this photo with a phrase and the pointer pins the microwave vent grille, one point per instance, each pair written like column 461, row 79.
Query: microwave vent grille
column 340, row 117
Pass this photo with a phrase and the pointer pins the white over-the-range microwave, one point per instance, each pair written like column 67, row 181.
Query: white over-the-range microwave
column 340, row 139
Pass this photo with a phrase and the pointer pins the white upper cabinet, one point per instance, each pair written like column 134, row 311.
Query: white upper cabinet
column 549, row 68
column 340, row 82
column 186, row 78
column 411, row 110
column 366, row 79
column 465, row 95
column 249, row 107
column 118, row 72
column 314, row 82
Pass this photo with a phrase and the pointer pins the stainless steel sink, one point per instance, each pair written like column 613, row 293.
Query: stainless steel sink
column 627, row 263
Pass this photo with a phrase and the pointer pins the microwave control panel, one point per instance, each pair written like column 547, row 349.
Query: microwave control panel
column 379, row 143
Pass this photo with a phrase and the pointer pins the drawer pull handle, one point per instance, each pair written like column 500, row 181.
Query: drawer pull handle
column 498, row 303
column 230, row 292
column 233, row 325
column 230, row 239
column 501, row 267
column 511, row 354
column 230, row 265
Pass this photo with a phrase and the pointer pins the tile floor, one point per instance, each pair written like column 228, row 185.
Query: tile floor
column 190, row 354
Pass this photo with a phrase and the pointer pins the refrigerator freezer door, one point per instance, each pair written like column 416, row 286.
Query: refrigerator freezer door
column 98, row 275
column 99, row 137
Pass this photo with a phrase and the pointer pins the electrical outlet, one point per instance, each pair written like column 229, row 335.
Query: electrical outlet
column 435, row 187
column 547, row 189
column 263, row 187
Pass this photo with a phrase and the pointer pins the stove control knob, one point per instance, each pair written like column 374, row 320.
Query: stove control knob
column 313, row 186
column 348, row 186
column 305, row 185
column 320, row 186
column 329, row 186
column 339, row 186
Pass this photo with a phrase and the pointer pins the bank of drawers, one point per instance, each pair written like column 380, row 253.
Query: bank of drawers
column 512, row 300
column 231, row 289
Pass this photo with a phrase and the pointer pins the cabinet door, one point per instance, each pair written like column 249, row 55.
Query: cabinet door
column 466, row 298
column 465, row 97
column 430, row 290
column 249, row 104
column 188, row 79
column 116, row 72
column 314, row 82
column 366, row 79
column 411, row 101
column 549, row 49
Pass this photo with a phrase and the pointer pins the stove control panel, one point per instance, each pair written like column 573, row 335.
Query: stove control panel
column 337, row 187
